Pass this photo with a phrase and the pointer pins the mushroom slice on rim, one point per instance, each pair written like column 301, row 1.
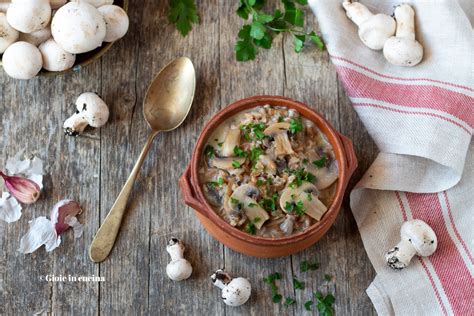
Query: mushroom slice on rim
column 227, row 163
column 245, row 198
column 326, row 175
column 231, row 141
column 279, row 132
column 307, row 194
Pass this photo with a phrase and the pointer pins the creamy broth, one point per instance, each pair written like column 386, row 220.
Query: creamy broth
column 269, row 171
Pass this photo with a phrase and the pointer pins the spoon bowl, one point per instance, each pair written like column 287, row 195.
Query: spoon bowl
column 170, row 95
column 166, row 105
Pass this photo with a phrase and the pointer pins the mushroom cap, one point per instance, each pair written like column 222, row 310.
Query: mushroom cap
column 54, row 57
column 78, row 27
column 402, row 51
column 22, row 60
column 93, row 109
column 226, row 163
column 8, row 35
column 232, row 139
column 421, row 236
column 375, row 31
column 237, row 292
column 37, row 37
column 307, row 193
column 29, row 15
column 178, row 270
column 95, row 3
column 247, row 195
column 116, row 20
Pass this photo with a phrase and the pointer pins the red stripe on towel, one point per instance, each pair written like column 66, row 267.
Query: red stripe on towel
column 457, row 104
column 447, row 261
column 413, row 113
column 399, row 78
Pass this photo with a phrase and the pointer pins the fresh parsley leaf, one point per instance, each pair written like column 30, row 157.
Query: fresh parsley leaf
column 243, row 10
column 209, row 151
column 289, row 207
column 269, row 204
column 250, row 228
column 325, row 304
column 307, row 266
column 289, row 301
column 276, row 298
column 297, row 284
column 302, row 2
column 307, row 305
column 260, row 182
column 298, row 42
column 293, row 15
column 321, row 163
column 245, row 48
column 183, row 13
column 317, row 40
column 239, row 152
column 295, row 126
column 272, row 277
column 310, row 197
column 255, row 153
column 299, row 208
column 236, row 164
column 257, row 30
column 300, row 176
column 327, row 277
column 217, row 183
column 281, row 119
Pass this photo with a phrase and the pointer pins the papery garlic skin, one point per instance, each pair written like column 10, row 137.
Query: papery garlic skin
column 61, row 212
column 41, row 232
column 10, row 209
column 24, row 190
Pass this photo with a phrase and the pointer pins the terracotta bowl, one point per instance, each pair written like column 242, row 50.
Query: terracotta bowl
column 263, row 246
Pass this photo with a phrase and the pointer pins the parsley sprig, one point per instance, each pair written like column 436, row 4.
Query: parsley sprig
column 183, row 13
column 264, row 27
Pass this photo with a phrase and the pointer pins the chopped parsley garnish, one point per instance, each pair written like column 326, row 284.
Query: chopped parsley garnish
column 217, row 183
column 256, row 219
column 308, row 266
column 320, row 163
column 297, row 284
column 327, row 277
column 236, row 202
column 220, row 144
column 276, row 298
column 236, row 164
column 272, row 277
column 252, row 205
column 280, row 119
column 270, row 280
column 255, row 153
column 239, row 152
column 209, row 151
column 324, row 303
column 256, row 128
column 270, row 204
column 307, row 305
column 305, row 161
column 300, row 176
column 289, row 301
column 295, row 126
column 310, row 197
column 297, row 207
column 250, row 228
column 260, row 182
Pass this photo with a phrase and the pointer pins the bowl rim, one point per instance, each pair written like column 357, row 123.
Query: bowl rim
column 251, row 102
column 100, row 51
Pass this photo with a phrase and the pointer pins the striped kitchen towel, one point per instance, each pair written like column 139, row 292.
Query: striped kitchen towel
column 421, row 119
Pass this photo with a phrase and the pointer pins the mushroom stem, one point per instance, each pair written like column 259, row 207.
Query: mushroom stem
column 357, row 12
column 400, row 256
column 405, row 16
column 75, row 124
column 175, row 249
column 220, row 279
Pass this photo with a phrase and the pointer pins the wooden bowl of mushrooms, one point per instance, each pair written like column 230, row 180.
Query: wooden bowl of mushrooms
column 268, row 176
column 52, row 37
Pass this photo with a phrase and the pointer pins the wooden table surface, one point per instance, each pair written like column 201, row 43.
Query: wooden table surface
column 92, row 169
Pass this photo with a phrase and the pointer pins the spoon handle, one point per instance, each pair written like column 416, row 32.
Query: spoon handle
column 105, row 238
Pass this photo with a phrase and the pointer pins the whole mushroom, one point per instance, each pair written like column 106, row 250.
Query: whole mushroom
column 95, row 3
column 29, row 15
column 179, row 268
column 8, row 35
column 403, row 49
column 91, row 110
column 374, row 29
column 417, row 238
column 37, row 37
column 54, row 57
column 78, row 27
column 22, row 60
column 116, row 20
column 235, row 292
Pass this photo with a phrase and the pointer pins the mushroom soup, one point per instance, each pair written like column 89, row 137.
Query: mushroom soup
column 269, row 172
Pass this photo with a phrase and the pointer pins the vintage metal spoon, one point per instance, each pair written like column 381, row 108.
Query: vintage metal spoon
column 166, row 105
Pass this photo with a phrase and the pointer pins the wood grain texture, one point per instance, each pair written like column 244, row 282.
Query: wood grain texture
column 93, row 168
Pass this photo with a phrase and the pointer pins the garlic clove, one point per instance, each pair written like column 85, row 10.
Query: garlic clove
column 62, row 214
column 24, row 190
column 41, row 232
column 10, row 209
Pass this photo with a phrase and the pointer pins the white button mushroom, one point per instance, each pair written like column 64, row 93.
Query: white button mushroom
column 179, row 268
column 374, row 29
column 22, row 60
column 417, row 238
column 38, row 37
column 56, row 4
column 96, row 3
column 235, row 292
column 402, row 49
column 8, row 35
column 116, row 20
column 91, row 110
column 54, row 57
column 29, row 15
column 78, row 27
